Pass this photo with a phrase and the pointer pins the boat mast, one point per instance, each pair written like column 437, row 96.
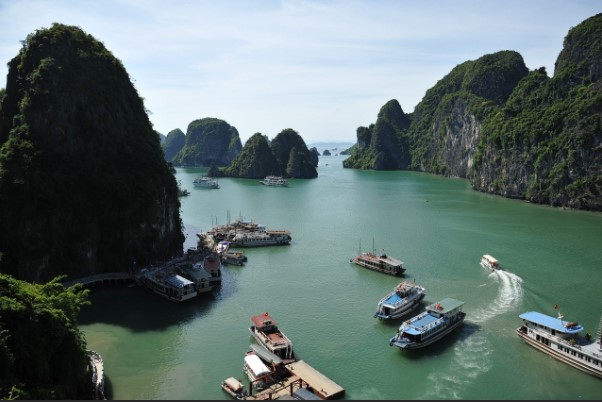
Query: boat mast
column 600, row 333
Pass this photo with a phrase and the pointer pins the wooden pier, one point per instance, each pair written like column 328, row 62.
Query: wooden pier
column 303, row 379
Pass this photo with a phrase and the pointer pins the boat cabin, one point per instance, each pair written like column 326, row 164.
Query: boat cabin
column 446, row 307
column 255, row 369
column 490, row 261
column 555, row 326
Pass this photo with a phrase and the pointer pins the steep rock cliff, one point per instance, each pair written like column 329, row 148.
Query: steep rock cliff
column 209, row 141
column 255, row 161
column 173, row 143
column 546, row 143
column 84, row 187
column 446, row 124
column 292, row 156
column 384, row 145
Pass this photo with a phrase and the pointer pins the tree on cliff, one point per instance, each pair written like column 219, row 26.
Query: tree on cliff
column 255, row 161
column 42, row 352
column 84, row 187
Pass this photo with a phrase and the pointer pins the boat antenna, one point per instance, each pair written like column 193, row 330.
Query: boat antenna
column 560, row 316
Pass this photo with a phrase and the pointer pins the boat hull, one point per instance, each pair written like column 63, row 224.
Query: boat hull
column 557, row 355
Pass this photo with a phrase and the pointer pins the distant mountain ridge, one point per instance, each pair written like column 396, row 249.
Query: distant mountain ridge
column 510, row 131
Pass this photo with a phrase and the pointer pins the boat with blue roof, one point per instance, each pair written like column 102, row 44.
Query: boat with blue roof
column 563, row 341
column 438, row 320
column 405, row 298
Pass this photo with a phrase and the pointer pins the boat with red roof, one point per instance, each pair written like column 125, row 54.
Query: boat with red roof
column 266, row 333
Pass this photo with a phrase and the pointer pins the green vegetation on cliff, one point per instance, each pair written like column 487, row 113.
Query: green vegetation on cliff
column 84, row 187
column 511, row 132
column 292, row 155
column 42, row 352
column 384, row 145
column 255, row 161
column 209, row 141
column 286, row 155
column 173, row 143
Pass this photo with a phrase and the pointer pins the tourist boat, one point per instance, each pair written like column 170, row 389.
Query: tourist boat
column 438, row 320
column 266, row 333
column 234, row 258
column 381, row 262
column 198, row 275
column 168, row 285
column 561, row 340
column 213, row 264
column 235, row 388
column 261, row 238
column 258, row 373
column 205, row 182
column 403, row 299
column 488, row 261
column 275, row 181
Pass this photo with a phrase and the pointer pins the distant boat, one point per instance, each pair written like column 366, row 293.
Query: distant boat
column 438, row 320
column 262, row 238
column 267, row 334
column 488, row 261
column 403, row 299
column 561, row 340
column 381, row 262
column 274, row 181
column 205, row 182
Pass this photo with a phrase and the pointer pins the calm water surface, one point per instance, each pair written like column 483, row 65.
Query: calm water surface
column 439, row 228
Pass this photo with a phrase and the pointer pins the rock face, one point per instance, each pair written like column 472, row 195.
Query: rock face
column 173, row 143
column 84, row 187
column 511, row 131
column 286, row 155
column 384, row 145
column 292, row 156
column 255, row 161
column 209, row 141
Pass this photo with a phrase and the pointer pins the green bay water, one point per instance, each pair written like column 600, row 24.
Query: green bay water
column 439, row 228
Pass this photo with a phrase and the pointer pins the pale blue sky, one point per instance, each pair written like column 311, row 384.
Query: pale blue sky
column 322, row 68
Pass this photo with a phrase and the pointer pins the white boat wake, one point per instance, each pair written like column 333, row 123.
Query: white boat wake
column 472, row 355
column 509, row 295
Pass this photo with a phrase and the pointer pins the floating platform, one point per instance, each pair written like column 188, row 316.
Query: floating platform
column 321, row 385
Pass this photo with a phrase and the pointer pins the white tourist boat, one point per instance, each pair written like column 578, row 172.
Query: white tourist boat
column 562, row 340
column 260, row 375
column 266, row 333
column 205, row 182
column 438, row 320
column 261, row 238
column 488, row 261
column 402, row 300
column 274, row 181
column 171, row 286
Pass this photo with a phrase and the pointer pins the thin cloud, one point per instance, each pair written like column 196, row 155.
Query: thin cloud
column 322, row 68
